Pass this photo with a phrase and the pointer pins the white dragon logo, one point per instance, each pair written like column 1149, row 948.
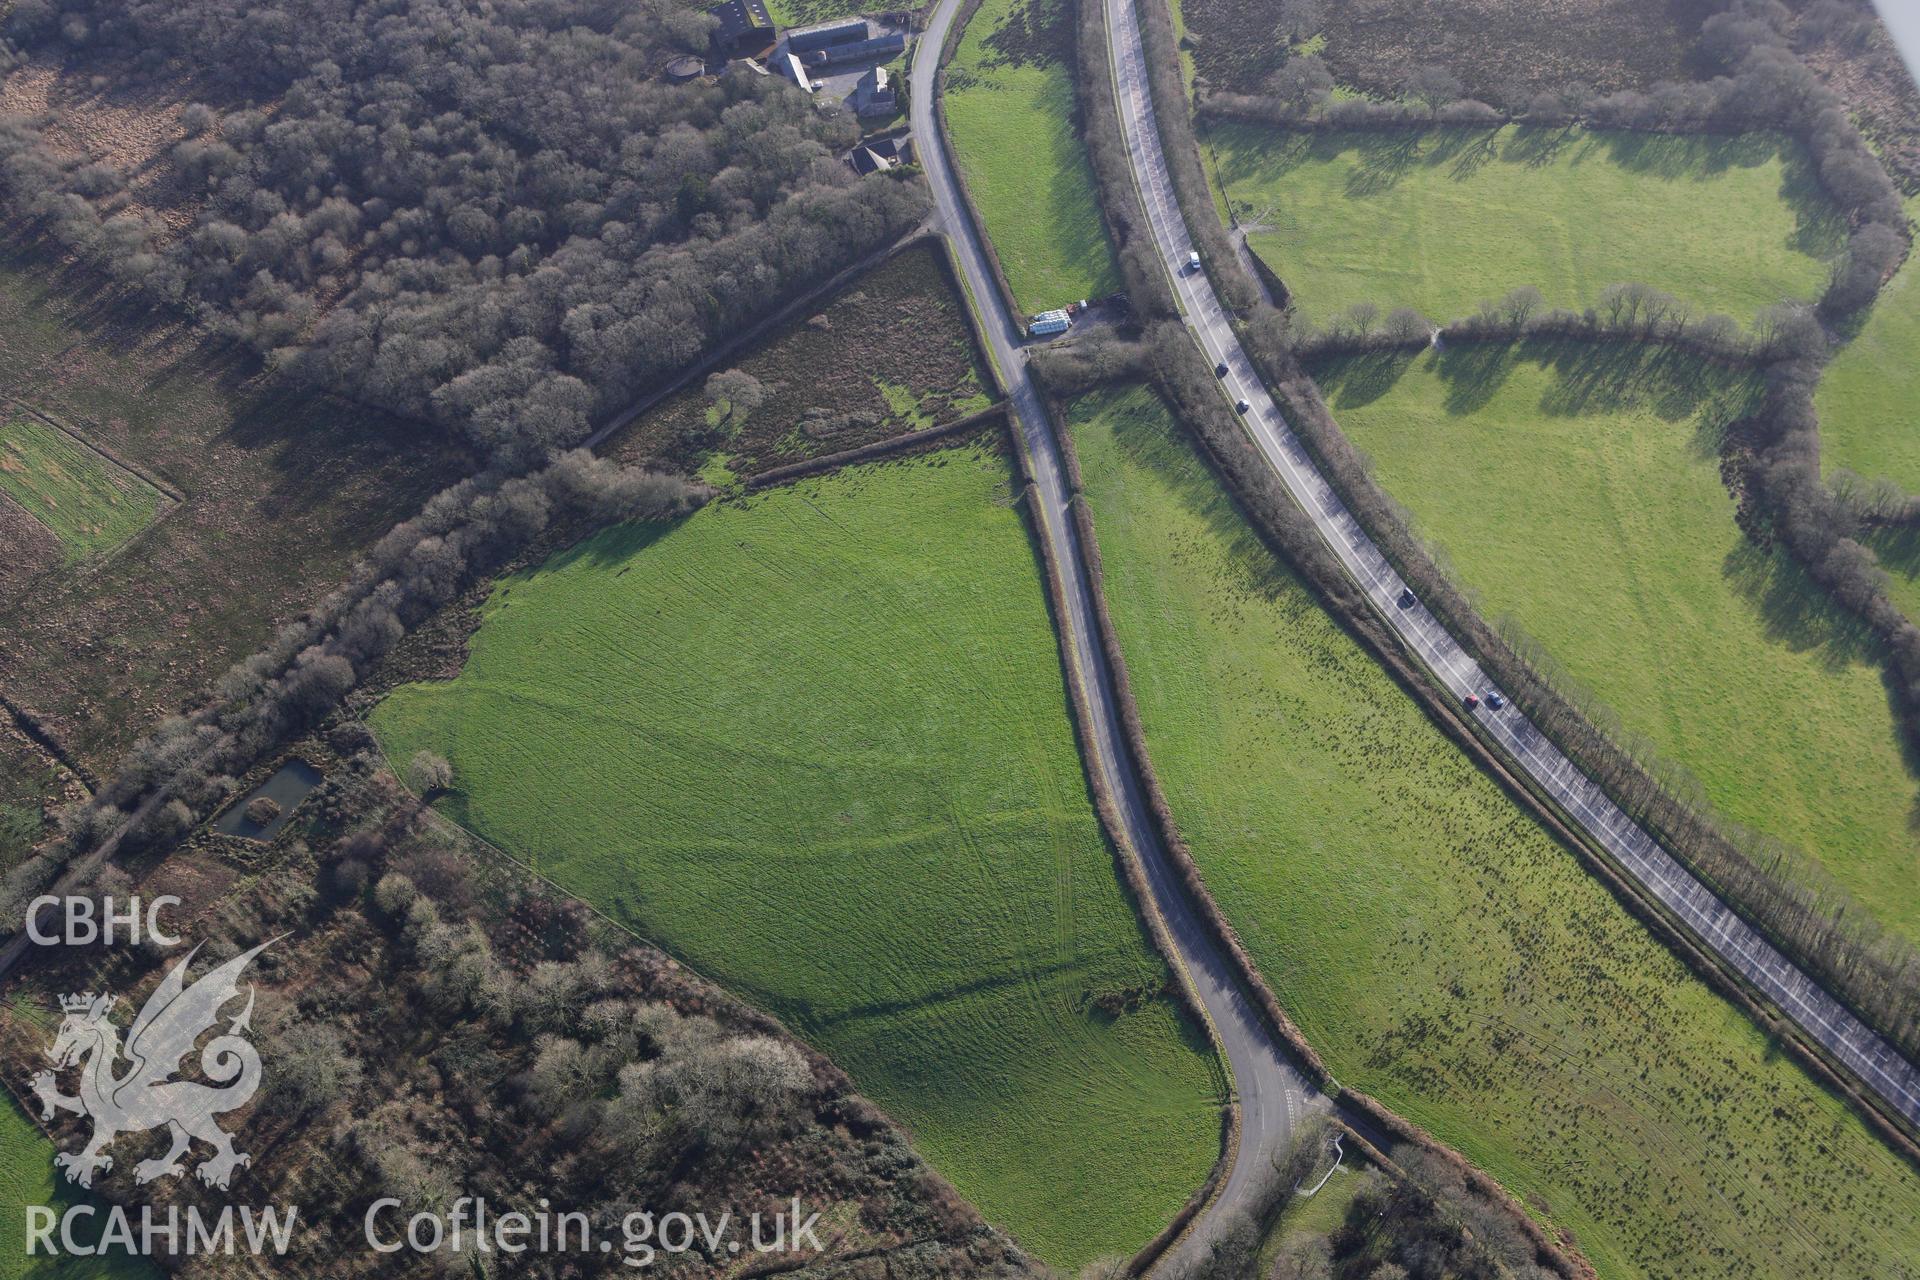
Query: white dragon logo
column 146, row 1096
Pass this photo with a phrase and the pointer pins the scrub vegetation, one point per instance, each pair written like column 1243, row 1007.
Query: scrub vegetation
column 893, row 353
column 815, row 743
column 1439, row 219
column 1010, row 109
column 1438, row 948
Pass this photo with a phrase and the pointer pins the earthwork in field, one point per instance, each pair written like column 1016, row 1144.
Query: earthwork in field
column 1010, row 112
column 815, row 742
column 1576, row 489
column 1436, row 946
column 892, row 353
column 1439, row 219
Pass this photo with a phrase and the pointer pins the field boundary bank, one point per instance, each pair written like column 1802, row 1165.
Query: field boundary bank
column 1688, row 834
column 892, row 447
column 1879, row 1116
column 35, row 730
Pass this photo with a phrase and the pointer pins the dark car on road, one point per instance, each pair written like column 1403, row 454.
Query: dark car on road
column 1495, row 701
column 1406, row 598
column 1241, row 406
column 1220, row 371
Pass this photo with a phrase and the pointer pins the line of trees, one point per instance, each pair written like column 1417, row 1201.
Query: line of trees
column 493, row 217
column 1630, row 310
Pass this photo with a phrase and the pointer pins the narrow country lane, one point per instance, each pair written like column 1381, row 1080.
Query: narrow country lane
column 1272, row 1093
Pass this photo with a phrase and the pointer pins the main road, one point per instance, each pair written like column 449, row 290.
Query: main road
column 1272, row 1092
column 1821, row 1016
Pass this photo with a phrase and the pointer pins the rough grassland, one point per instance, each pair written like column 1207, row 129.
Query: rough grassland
column 1441, row 219
column 817, row 745
column 1010, row 111
column 89, row 504
column 1869, row 395
column 1577, row 490
column 1436, row 946
column 891, row 353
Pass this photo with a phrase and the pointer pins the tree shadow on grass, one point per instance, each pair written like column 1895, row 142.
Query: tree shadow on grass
column 1683, row 155
column 1475, row 151
column 1899, row 551
column 1473, row 373
column 1537, row 146
column 1155, row 442
column 1621, row 377
column 1381, row 159
column 1795, row 611
column 1354, row 381
column 1819, row 229
column 610, row 548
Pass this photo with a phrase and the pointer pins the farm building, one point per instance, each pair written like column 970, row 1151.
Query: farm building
column 826, row 34
column 866, row 160
column 1048, row 323
column 876, row 95
column 799, row 73
column 879, row 48
column 744, row 28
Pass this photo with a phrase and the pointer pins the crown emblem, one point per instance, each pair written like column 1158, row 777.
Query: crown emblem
column 76, row 1003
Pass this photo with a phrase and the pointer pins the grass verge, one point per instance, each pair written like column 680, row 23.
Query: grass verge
column 816, row 743
column 1437, row 947
column 1576, row 488
column 1011, row 114
column 1438, row 220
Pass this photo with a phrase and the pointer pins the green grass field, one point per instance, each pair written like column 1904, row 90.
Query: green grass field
column 1869, row 396
column 89, row 504
column 816, row 743
column 1436, row 946
column 1577, row 490
column 27, row 1177
column 1010, row 111
column 1441, row 219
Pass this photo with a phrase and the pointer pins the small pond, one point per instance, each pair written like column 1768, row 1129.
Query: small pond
column 287, row 787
